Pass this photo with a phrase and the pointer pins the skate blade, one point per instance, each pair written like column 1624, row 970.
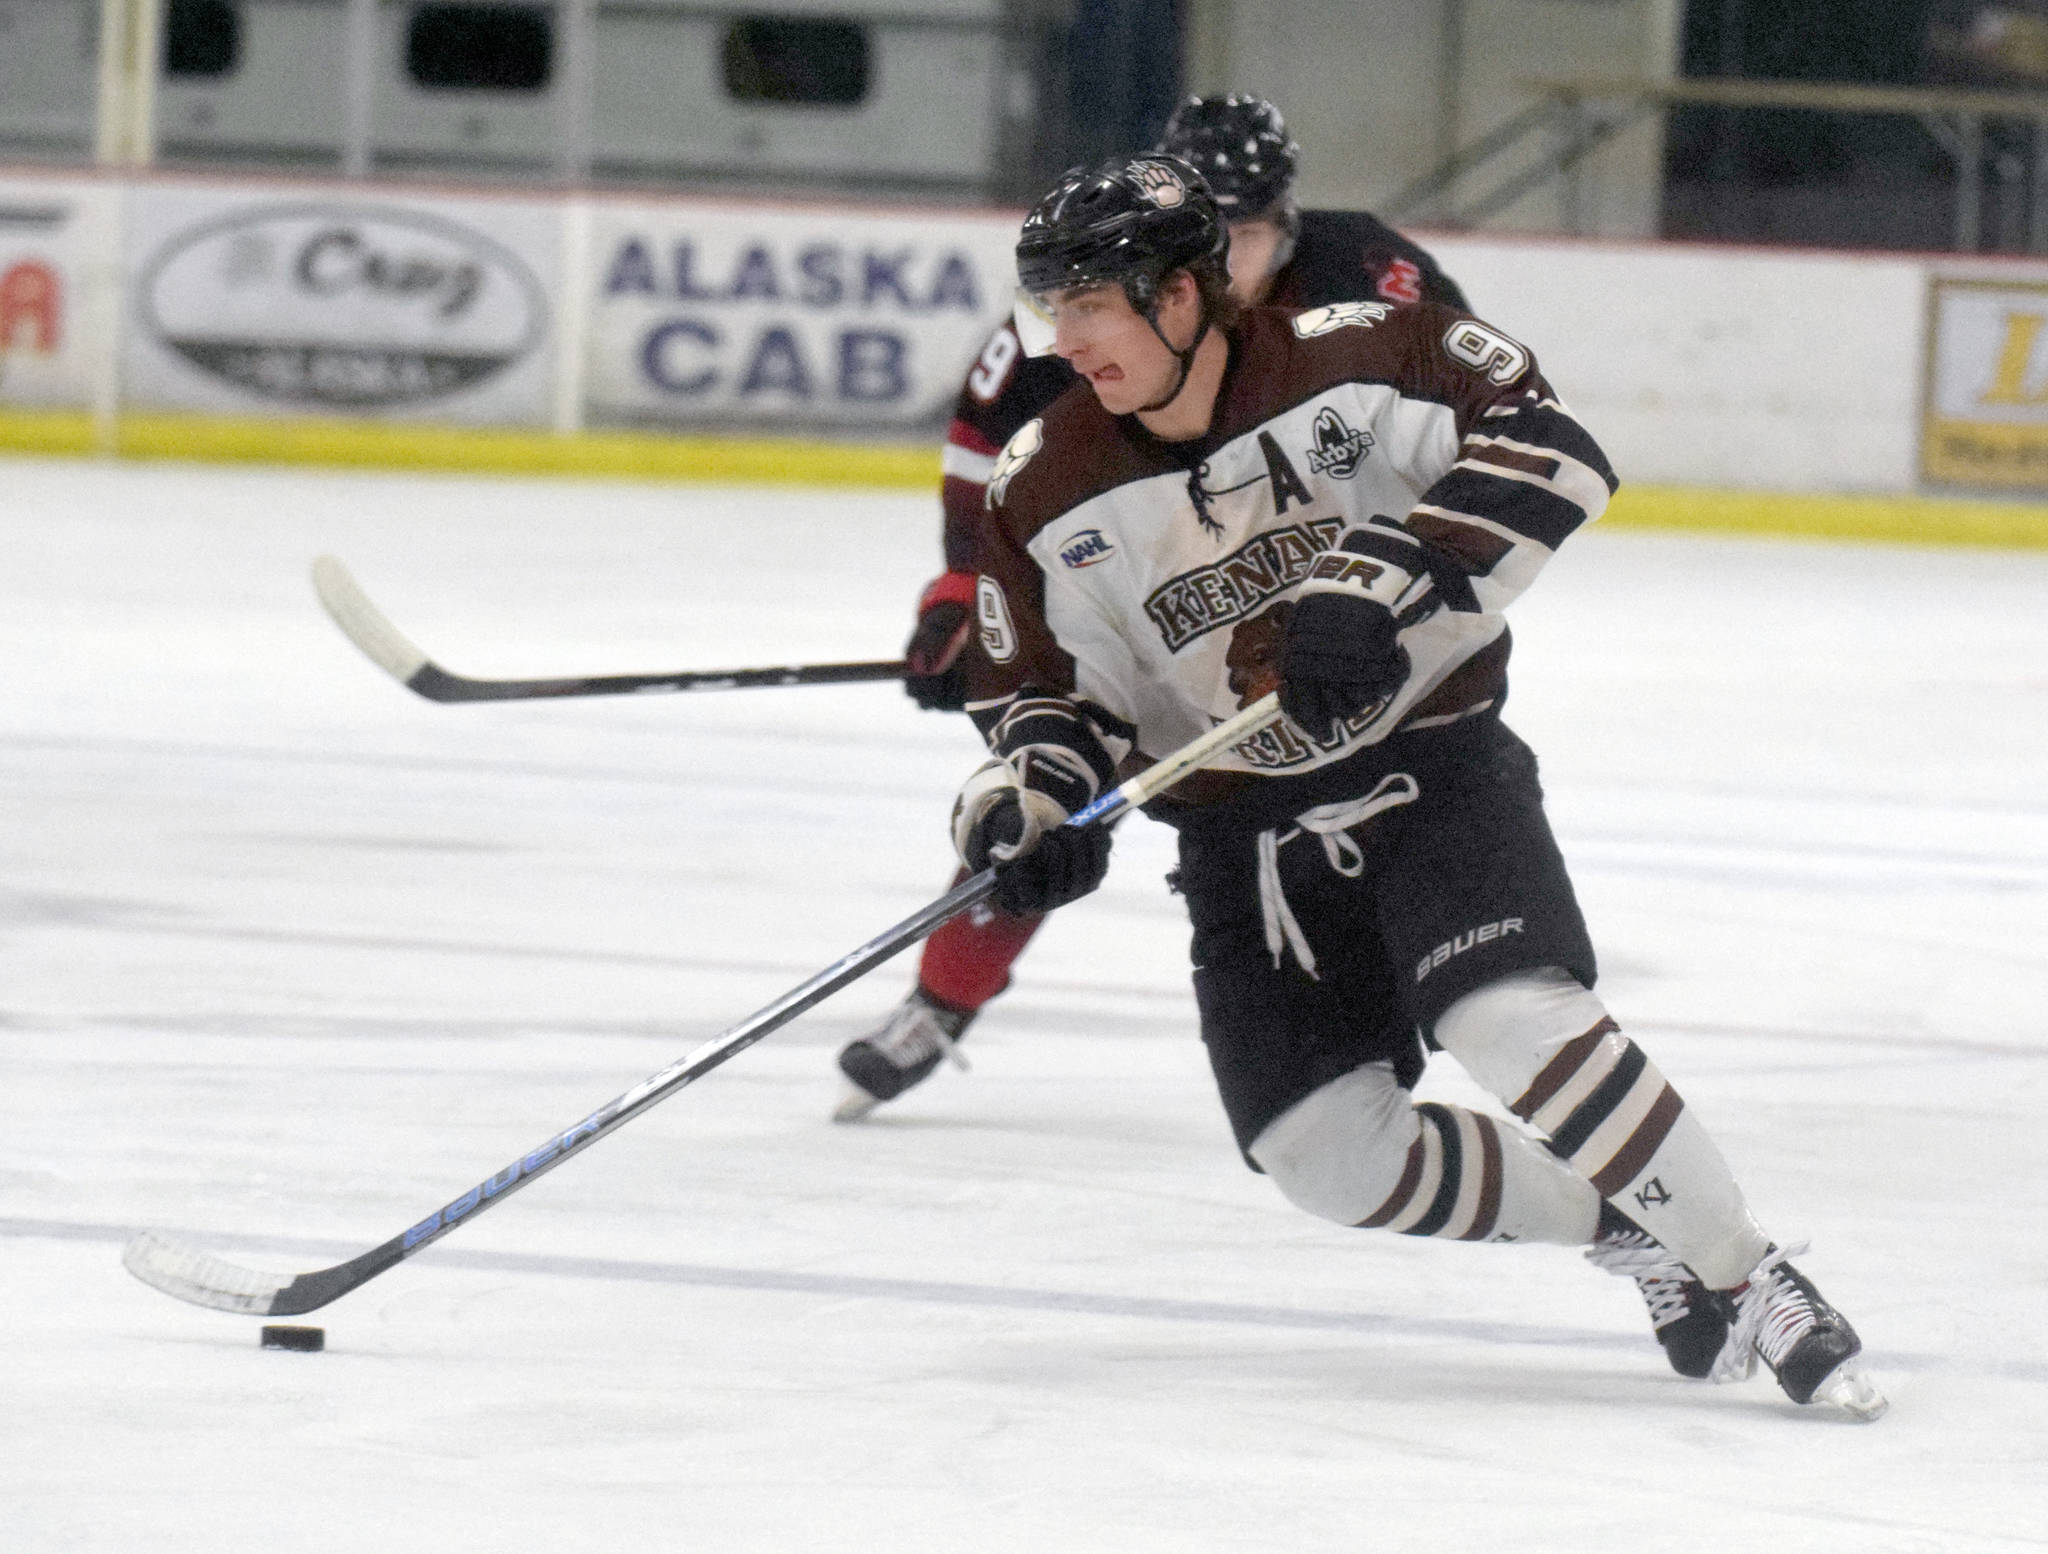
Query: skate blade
column 1849, row 1389
column 855, row 1104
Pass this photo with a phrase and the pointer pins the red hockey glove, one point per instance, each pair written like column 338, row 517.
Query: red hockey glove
column 936, row 681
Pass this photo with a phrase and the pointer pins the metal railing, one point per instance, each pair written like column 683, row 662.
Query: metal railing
column 1580, row 115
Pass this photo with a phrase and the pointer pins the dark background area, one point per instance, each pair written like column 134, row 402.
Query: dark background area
column 1120, row 62
column 1108, row 72
column 1849, row 180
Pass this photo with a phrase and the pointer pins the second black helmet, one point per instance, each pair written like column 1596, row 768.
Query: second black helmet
column 1241, row 146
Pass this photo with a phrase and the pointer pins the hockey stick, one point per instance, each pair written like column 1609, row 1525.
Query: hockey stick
column 370, row 629
column 198, row 1276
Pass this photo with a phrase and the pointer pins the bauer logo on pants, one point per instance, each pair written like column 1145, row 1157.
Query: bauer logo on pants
column 1465, row 941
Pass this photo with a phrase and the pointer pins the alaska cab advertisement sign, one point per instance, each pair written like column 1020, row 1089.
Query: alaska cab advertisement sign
column 1985, row 394
column 789, row 317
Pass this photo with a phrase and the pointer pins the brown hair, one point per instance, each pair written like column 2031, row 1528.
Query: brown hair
column 1212, row 291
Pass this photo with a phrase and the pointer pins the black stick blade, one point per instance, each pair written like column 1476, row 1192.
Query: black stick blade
column 391, row 650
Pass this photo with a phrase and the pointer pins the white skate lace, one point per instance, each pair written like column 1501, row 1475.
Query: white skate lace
column 1661, row 1277
column 1333, row 823
column 914, row 1035
column 1771, row 1315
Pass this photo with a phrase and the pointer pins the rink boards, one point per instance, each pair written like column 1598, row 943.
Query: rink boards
column 405, row 326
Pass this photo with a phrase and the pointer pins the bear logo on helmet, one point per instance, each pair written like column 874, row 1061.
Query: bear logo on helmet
column 1159, row 183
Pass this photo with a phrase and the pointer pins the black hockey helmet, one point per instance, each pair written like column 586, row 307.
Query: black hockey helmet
column 1129, row 220
column 1241, row 146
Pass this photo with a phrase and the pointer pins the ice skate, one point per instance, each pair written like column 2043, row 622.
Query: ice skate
column 1690, row 1320
column 898, row 1054
column 1808, row 1345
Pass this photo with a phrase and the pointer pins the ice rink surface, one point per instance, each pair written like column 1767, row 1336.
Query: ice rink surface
column 288, row 957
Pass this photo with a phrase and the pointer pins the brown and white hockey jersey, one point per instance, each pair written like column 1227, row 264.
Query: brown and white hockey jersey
column 1339, row 256
column 1151, row 578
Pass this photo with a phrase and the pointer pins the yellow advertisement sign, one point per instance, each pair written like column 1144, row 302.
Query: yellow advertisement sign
column 1984, row 404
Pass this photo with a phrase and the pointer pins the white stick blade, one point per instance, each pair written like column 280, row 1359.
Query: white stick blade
column 363, row 623
column 200, row 1277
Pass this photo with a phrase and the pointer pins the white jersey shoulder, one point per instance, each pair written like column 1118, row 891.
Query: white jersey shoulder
column 1017, row 452
column 1339, row 315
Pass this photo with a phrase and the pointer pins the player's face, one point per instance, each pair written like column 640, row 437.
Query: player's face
column 1254, row 246
column 1108, row 342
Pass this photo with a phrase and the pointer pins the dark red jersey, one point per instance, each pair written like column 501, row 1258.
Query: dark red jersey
column 1349, row 256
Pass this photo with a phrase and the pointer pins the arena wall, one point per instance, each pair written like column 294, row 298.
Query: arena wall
column 1899, row 395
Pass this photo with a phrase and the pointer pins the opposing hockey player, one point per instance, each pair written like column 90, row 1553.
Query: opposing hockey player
column 1278, row 254
column 1339, row 504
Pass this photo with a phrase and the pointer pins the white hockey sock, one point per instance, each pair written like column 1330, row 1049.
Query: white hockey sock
column 1358, row 1152
column 1469, row 1177
column 1546, row 1046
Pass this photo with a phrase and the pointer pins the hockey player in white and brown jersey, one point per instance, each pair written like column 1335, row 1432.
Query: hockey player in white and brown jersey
column 1340, row 504
column 1280, row 255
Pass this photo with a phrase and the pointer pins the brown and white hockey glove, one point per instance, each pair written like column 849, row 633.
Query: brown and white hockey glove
column 1340, row 652
column 1011, row 814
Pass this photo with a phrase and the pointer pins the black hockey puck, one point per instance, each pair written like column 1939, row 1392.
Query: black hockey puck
column 311, row 1340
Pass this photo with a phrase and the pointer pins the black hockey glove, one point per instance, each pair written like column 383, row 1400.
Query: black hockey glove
column 1340, row 652
column 934, row 675
column 1065, row 864
column 1050, row 763
column 1339, row 657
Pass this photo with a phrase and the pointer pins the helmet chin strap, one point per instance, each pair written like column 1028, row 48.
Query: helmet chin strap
column 1185, row 358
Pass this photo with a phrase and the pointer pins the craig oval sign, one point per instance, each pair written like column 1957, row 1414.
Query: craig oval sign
column 343, row 306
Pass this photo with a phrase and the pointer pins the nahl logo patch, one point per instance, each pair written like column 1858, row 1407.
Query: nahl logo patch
column 1160, row 184
column 1338, row 448
column 1086, row 548
column 1339, row 315
column 1017, row 453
